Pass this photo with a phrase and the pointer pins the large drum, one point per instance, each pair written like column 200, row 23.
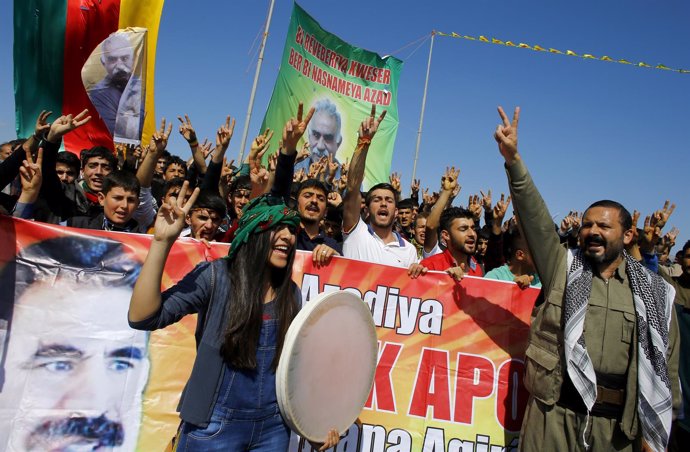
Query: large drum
column 327, row 366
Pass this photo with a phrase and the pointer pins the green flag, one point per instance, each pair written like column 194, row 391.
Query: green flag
column 342, row 82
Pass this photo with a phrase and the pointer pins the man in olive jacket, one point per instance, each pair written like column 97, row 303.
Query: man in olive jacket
column 602, row 360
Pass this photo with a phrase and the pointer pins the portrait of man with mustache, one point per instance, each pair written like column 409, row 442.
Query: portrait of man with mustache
column 73, row 372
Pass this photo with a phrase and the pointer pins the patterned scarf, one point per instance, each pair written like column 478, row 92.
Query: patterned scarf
column 261, row 214
column 653, row 299
column 91, row 195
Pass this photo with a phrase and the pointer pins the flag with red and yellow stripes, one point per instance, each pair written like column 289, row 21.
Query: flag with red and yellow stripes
column 52, row 41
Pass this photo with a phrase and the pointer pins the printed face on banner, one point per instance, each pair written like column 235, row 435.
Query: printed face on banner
column 324, row 130
column 342, row 82
column 74, row 370
column 113, row 77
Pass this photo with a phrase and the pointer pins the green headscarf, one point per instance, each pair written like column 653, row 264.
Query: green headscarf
column 261, row 214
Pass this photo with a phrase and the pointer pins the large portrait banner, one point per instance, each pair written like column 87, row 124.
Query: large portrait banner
column 73, row 374
column 342, row 82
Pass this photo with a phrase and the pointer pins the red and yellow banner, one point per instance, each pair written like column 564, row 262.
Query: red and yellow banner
column 449, row 374
column 52, row 41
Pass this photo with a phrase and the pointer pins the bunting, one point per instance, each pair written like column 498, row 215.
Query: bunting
column 538, row 48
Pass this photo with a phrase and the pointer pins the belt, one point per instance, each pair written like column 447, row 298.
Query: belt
column 611, row 396
column 609, row 402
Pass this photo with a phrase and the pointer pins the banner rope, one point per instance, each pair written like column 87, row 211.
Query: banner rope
column 538, row 48
column 420, row 40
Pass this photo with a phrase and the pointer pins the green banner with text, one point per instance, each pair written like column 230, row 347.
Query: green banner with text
column 341, row 82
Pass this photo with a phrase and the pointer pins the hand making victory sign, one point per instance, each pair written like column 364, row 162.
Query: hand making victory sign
column 171, row 215
column 295, row 128
column 506, row 136
column 370, row 125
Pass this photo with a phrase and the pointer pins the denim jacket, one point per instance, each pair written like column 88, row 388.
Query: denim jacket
column 206, row 292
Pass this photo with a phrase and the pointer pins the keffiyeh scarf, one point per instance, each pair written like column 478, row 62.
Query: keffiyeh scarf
column 653, row 299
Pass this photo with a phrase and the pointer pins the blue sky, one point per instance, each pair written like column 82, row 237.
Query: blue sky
column 589, row 130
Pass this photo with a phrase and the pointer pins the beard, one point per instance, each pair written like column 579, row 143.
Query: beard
column 611, row 250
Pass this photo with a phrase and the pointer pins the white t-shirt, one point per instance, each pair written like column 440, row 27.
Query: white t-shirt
column 363, row 244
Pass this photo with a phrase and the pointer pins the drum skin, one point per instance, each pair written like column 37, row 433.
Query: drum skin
column 326, row 369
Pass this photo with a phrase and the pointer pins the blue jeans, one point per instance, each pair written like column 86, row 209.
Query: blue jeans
column 245, row 416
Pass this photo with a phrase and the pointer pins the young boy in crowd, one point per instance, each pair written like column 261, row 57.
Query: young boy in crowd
column 205, row 217
column 122, row 209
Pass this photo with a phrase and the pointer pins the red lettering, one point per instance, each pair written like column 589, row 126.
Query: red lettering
column 382, row 391
column 295, row 59
column 379, row 97
column 351, row 71
column 386, row 98
column 299, row 35
column 511, row 395
column 432, row 386
column 370, row 73
column 386, row 77
column 306, row 67
column 475, row 379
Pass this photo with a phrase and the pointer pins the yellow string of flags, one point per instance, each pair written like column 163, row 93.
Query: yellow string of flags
column 538, row 48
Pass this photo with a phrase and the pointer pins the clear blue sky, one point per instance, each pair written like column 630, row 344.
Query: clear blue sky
column 589, row 129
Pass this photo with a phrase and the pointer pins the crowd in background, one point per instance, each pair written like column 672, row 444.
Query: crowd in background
column 420, row 230
column 122, row 190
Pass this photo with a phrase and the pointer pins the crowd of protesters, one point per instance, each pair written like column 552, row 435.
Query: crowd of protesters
column 123, row 190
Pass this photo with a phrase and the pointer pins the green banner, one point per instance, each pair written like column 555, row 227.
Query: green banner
column 342, row 82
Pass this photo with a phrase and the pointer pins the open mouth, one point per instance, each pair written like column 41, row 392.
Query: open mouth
column 594, row 245
column 281, row 250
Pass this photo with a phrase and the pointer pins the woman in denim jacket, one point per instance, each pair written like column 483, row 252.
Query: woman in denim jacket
column 245, row 304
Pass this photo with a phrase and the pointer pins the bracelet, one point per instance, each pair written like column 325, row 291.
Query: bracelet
column 363, row 141
column 194, row 143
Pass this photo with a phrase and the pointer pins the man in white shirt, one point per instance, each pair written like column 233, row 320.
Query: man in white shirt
column 374, row 241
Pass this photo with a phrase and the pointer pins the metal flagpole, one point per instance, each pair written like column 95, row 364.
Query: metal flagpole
column 256, row 82
column 421, row 115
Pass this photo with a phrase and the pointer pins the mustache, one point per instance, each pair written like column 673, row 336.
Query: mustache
column 107, row 432
column 595, row 241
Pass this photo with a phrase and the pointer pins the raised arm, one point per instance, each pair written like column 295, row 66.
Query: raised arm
column 52, row 188
column 31, row 178
column 534, row 217
column 170, row 220
column 257, row 172
column 449, row 183
column 42, row 127
column 353, row 198
column 189, row 134
column 215, row 168
column 158, row 143
column 285, row 165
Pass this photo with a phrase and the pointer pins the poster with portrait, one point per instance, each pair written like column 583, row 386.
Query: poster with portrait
column 74, row 376
column 342, row 82
column 114, row 77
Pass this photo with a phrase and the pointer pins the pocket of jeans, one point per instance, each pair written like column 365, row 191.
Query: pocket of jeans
column 209, row 432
